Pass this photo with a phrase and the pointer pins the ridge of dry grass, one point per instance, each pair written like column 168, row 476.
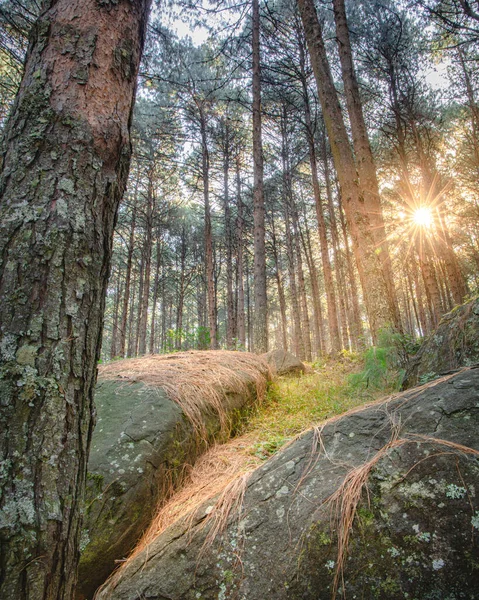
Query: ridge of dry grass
column 198, row 381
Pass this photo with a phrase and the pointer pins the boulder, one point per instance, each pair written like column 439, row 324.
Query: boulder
column 380, row 503
column 285, row 363
column 454, row 344
column 155, row 415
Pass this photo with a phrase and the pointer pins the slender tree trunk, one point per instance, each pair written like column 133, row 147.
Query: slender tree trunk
column 419, row 297
column 298, row 342
column 279, row 283
column 230, row 312
column 181, row 292
column 375, row 290
column 248, row 305
column 421, row 324
column 65, row 162
column 210, row 269
column 126, row 297
column 147, row 249
column 357, row 332
column 141, row 291
column 240, row 243
column 319, row 336
column 156, row 285
column 305, row 323
column 131, row 320
column 116, row 311
column 364, row 157
column 429, row 278
column 260, row 334
column 455, row 277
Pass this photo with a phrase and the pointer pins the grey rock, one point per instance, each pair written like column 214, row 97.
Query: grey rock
column 415, row 532
column 285, row 363
column 454, row 344
column 140, row 447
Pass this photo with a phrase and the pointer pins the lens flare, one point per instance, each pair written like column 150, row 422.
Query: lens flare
column 422, row 217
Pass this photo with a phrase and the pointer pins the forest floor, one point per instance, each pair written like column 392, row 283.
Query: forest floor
column 292, row 405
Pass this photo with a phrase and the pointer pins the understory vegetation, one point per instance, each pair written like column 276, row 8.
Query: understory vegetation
column 334, row 386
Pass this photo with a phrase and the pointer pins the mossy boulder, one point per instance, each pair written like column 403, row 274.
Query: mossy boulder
column 394, row 485
column 454, row 344
column 144, row 441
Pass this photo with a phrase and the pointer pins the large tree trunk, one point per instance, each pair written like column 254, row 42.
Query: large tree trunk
column 364, row 157
column 65, row 162
column 260, row 327
column 374, row 286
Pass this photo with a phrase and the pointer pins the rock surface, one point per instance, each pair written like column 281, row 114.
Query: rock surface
column 415, row 530
column 454, row 344
column 141, row 444
column 284, row 363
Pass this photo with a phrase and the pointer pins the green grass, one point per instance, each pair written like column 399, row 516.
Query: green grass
column 296, row 404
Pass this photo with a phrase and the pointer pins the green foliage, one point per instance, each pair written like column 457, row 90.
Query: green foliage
column 294, row 404
column 385, row 364
column 198, row 339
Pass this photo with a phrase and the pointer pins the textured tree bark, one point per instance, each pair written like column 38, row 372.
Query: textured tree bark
column 260, row 326
column 364, row 157
column 375, row 290
column 298, row 343
column 65, row 162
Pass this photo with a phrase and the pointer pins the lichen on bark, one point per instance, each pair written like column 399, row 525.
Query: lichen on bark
column 64, row 164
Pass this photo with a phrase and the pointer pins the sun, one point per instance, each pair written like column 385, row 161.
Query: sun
column 422, row 216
